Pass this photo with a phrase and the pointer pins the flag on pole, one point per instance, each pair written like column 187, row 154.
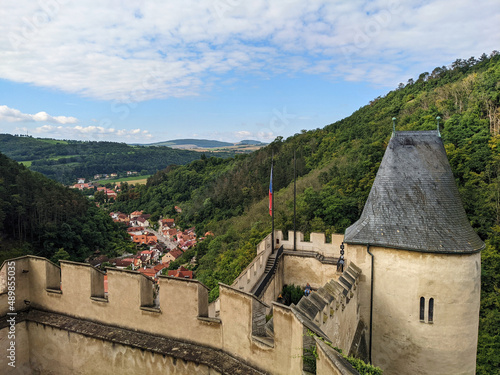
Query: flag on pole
column 271, row 193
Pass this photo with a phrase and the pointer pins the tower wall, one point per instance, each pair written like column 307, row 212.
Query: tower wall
column 405, row 344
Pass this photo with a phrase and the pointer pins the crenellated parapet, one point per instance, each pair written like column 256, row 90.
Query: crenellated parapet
column 317, row 243
column 313, row 270
column 179, row 311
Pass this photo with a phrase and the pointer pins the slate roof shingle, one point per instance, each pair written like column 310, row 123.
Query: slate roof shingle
column 414, row 202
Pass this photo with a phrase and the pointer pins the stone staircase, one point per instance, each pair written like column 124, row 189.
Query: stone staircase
column 270, row 262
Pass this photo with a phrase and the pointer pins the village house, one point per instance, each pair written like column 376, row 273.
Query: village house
column 171, row 256
column 122, row 263
column 123, row 218
column 145, row 256
column 155, row 254
column 141, row 221
column 111, row 193
column 166, row 224
column 146, row 238
column 137, row 262
column 135, row 230
column 170, row 234
column 159, row 267
column 135, row 214
column 81, row 180
column 181, row 272
column 82, row 186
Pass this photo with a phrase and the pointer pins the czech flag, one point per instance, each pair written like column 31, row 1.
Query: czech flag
column 271, row 193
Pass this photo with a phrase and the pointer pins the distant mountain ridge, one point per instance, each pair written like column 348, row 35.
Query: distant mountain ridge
column 67, row 160
column 203, row 143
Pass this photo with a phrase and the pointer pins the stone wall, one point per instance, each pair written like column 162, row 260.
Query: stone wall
column 21, row 346
column 300, row 270
column 317, row 243
column 295, row 269
column 56, row 299
column 255, row 270
column 182, row 313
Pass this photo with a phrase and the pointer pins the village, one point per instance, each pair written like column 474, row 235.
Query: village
column 157, row 248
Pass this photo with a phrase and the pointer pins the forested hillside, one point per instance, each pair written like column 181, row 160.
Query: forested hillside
column 336, row 166
column 41, row 217
column 65, row 161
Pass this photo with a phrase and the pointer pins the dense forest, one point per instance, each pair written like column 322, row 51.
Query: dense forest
column 65, row 161
column 336, row 167
column 41, row 217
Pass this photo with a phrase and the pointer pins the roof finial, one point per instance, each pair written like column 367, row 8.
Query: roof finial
column 393, row 127
column 437, row 119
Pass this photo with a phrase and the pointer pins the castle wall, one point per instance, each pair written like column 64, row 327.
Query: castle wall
column 255, row 270
column 181, row 315
column 330, row 362
column 402, row 343
column 300, row 270
column 317, row 243
column 21, row 348
column 283, row 356
column 77, row 354
column 14, row 272
column 129, row 302
column 339, row 321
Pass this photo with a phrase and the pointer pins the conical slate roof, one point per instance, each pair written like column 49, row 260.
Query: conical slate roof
column 414, row 203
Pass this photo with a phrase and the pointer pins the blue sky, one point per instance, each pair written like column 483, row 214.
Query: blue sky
column 147, row 71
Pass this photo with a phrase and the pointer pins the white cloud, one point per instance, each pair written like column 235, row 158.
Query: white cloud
column 14, row 115
column 96, row 133
column 133, row 51
column 243, row 134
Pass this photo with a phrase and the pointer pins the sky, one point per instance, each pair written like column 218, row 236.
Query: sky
column 146, row 71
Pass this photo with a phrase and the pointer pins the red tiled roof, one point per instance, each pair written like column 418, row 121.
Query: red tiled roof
column 160, row 266
column 176, row 253
column 181, row 272
column 148, row 271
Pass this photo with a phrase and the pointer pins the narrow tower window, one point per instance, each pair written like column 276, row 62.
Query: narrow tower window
column 431, row 310
column 422, row 308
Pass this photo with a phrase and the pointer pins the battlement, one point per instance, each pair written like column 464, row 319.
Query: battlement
column 316, row 248
column 179, row 311
column 317, row 243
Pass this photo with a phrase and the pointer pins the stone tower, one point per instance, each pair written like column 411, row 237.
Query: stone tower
column 421, row 263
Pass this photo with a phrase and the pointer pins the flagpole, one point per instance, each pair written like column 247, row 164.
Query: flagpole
column 272, row 203
column 294, row 201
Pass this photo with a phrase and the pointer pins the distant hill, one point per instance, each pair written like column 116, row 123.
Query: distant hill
column 251, row 142
column 202, row 143
column 67, row 160
column 190, row 143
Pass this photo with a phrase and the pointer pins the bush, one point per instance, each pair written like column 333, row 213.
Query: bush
column 291, row 294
